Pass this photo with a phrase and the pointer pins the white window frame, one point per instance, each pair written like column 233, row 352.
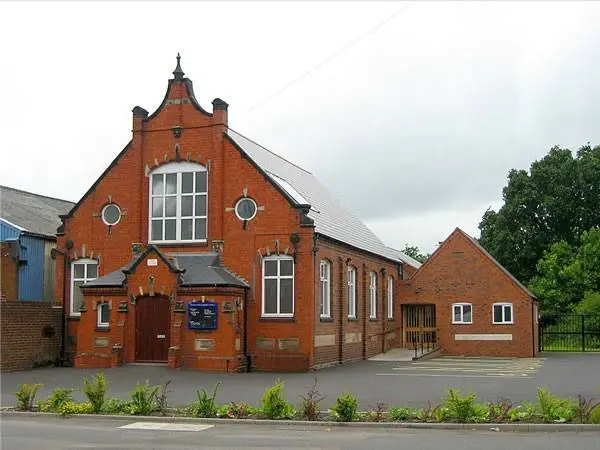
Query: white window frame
column 325, row 283
column 278, row 277
column 462, row 320
column 85, row 279
column 372, row 295
column 390, row 297
column 504, row 305
column 177, row 168
column 99, row 321
column 351, row 292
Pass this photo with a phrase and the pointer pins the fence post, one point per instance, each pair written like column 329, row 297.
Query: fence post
column 582, row 333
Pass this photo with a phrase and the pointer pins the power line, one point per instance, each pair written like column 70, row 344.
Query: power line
column 329, row 58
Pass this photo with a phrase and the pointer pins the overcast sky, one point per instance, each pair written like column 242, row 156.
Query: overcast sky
column 412, row 114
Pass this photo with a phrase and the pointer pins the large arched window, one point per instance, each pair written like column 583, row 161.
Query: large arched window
column 178, row 203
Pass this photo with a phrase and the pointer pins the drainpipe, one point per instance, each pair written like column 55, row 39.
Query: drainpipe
column 63, row 343
column 245, row 344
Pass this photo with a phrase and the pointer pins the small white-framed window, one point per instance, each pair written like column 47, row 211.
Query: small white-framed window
column 178, row 203
column 325, row 277
column 278, row 286
column 82, row 271
column 103, row 311
column 502, row 313
column 372, row 295
column 390, row 297
column 351, row 292
column 462, row 313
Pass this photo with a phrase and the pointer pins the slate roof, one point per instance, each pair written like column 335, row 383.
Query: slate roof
column 331, row 218
column 197, row 269
column 34, row 213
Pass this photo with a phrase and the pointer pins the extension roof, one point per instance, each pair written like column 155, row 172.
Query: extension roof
column 33, row 213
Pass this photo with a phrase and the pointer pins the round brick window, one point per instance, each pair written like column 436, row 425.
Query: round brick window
column 111, row 214
column 245, row 209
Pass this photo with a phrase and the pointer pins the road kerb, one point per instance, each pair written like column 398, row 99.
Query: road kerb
column 506, row 427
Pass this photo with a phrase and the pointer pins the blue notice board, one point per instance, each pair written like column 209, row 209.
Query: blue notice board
column 202, row 315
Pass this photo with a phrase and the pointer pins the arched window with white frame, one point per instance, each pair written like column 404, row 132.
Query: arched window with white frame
column 278, row 286
column 372, row 295
column 325, row 279
column 82, row 271
column 390, row 297
column 178, row 203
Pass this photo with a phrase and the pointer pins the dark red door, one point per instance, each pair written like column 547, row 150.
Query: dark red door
column 152, row 329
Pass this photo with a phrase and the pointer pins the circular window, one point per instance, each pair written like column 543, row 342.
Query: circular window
column 245, row 209
column 111, row 214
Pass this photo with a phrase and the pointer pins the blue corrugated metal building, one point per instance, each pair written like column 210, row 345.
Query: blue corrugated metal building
column 28, row 224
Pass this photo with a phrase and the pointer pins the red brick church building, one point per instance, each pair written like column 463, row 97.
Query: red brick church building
column 201, row 248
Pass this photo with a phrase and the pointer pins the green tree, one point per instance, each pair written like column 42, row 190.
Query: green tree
column 414, row 252
column 555, row 201
column 569, row 277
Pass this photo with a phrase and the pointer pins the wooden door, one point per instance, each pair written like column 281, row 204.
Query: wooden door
column 152, row 322
column 419, row 325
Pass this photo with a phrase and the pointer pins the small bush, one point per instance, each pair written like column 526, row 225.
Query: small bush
column 555, row 409
column 69, row 408
column 274, row 405
column 460, row 409
column 234, row 410
column 377, row 414
column 441, row 414
column 595, row 415
column 143, row 399
column 95, row 390
column 345, row 408
column 498, row 411
column 427, row 414
column 116, row 406
column 522, row 413
column 56, row 399
column 206, row 405
column 397, row 414
column 162, row 399
column 26, row 396
column 311, row 401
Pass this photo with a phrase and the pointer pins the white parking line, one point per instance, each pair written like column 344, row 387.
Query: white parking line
column 165, row 426
column 452, row 375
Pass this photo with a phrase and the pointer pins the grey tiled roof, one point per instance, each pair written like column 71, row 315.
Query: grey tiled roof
column 205, row 269
column 35, row 213
column 331, row 218
column 199, row 269
column 405, row 258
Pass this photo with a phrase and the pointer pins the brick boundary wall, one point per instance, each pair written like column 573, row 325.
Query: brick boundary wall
column 30, row 334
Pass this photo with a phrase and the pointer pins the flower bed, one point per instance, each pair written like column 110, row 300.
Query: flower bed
column 147, row 400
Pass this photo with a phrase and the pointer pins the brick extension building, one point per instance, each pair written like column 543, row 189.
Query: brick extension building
column 199, row 247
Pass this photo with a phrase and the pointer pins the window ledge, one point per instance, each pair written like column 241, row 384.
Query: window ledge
column 179, row 244
column 276, row 319
column 390, row 319
column 462, row 323
column 352, row 319
column 503, row 323
column 326, row 319
column 77, row 318
column 101, row 329
column 373, row 319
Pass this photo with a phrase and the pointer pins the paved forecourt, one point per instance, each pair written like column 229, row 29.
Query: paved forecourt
column 402, row 383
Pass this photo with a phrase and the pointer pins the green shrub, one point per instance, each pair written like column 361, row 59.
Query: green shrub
column 595, row 415
column 26, row 396
column 521, row 413
column 498, row 411
column 310, row 406
column 555, row 409
column 143, row 399
column 95, row 390
column 345, row 408
column 69, row 408
column 116, row 406
column 397, row 414
column 206, row 405
column 441, row 414
column 56, row 399
column 427, row 414
column 461, row 409
column 274, row 405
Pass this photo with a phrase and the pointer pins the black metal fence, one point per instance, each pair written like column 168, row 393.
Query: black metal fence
column 570, row 333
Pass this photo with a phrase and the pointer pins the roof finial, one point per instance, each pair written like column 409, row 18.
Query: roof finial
column 178, row 72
